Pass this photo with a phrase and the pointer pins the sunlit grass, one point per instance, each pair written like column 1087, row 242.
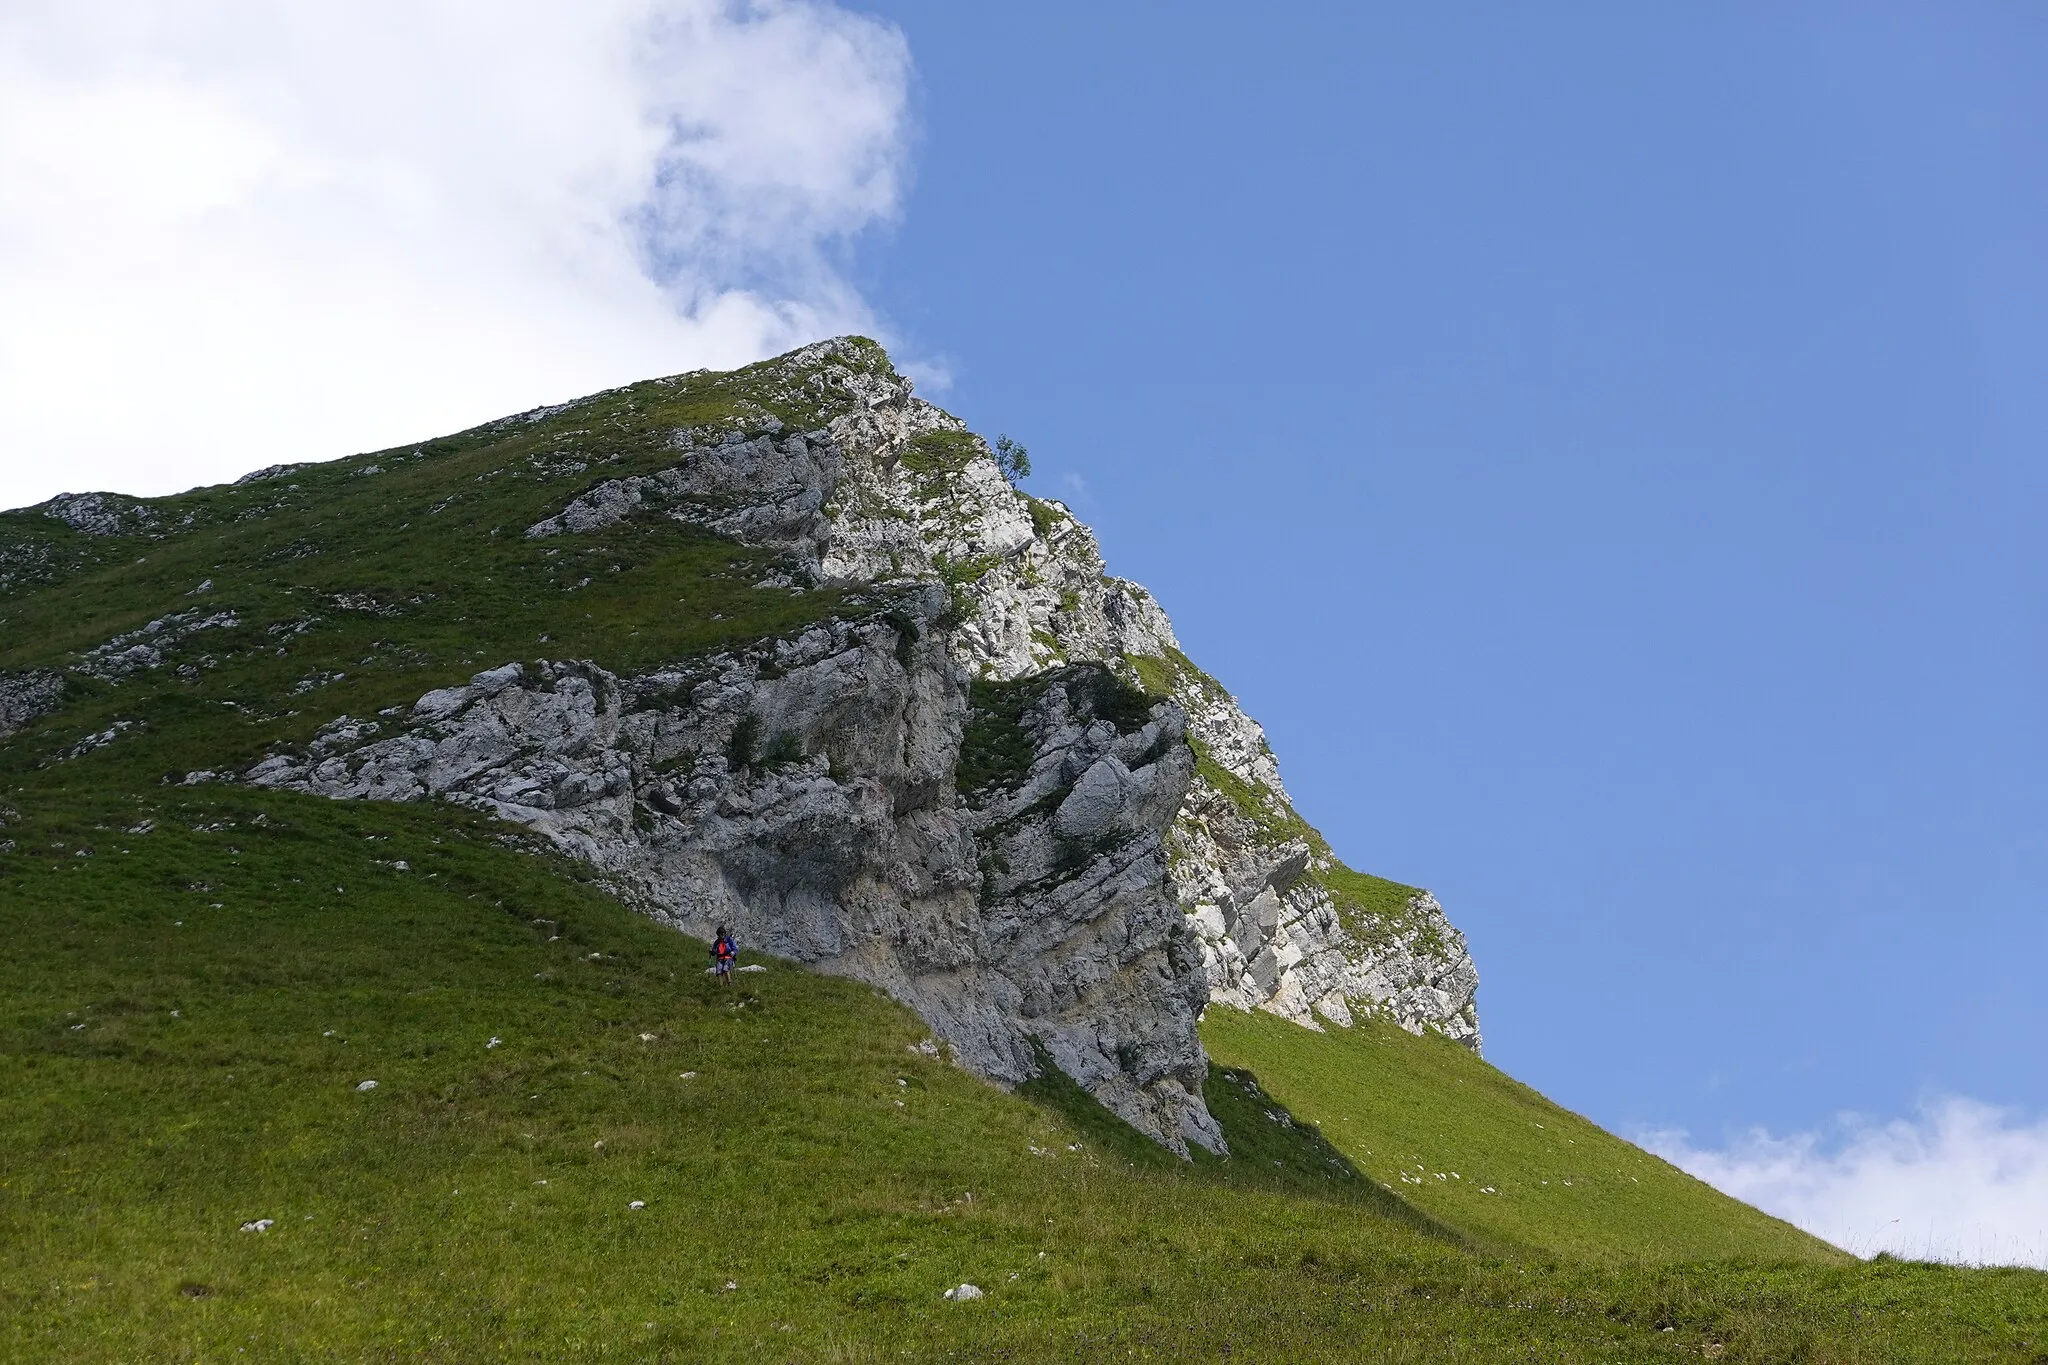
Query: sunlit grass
column 838, row 1179
column 1485, row 1153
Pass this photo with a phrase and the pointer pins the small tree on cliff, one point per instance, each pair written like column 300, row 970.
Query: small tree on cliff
column 1013, row 459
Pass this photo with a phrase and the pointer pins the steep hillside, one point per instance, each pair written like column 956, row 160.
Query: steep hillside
column 780, row 648
column 187, row 1017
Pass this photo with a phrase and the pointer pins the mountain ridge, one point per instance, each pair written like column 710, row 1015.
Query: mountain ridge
column 338, row 1079
column 1137, row 860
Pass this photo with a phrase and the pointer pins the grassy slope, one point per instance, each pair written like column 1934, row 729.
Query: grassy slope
column 134, row 1142
column 1486, row 1154
column 793, row 1165
column 374, row 579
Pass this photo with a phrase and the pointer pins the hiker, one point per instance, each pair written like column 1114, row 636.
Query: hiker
column 724, row 952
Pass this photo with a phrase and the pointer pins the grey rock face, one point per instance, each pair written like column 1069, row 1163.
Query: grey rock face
column 274, row 471
column 1074, row 876
column 26, row 696
column 1256, row 882
column 101, row 514
column 1043, row 598
column 763, row 491
column 856, row 797
column 1274, row 937
column 852, row 850
column 129, row 654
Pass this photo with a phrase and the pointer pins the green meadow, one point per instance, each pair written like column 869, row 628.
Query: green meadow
column 198, row 982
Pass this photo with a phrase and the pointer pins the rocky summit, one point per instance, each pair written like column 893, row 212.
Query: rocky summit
column 781, row 649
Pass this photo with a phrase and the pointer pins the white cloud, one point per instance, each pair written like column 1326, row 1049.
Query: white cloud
column 234, row 232
column 1961, row 1181
column 931, row 374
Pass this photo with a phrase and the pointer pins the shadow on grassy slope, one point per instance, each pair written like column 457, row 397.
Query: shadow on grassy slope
column 1477, row 1149
column 1269, row 1144
column 1269, row 1150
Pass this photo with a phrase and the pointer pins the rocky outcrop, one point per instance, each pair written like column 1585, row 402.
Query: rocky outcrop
column 998, row 791
column 149, row 647
column 1279, row 934
column 767, row 490
column 26, row 696
column 274, row 471
column 101, row 514
column 1281, row 925
column 805, row 795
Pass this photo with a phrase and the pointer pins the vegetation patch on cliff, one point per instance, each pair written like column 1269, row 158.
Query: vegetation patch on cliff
column 938, row 457
column 1365, row 894
column 1045, row 516
column 1373, row 910
column 1176, row 675
column 1275, row 820
column 996, row 746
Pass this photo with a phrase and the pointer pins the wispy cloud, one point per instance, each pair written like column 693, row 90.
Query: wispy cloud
column 932, row 374
column 233, row 232
column 1960, row 1181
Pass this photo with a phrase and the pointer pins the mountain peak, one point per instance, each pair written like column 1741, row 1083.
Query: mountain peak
column 780, row 648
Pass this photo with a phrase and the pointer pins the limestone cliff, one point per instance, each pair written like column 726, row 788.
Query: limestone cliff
column 987, row 781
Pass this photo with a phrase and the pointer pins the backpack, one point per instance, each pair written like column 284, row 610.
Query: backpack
column 724, row 950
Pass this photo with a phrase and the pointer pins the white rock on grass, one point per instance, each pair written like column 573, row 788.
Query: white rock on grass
column 258, row 1225
column 637, row 1204
column 367, row 1085
column 963, row 1293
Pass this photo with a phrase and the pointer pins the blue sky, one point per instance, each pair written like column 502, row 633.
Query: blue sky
column 1603, row 446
